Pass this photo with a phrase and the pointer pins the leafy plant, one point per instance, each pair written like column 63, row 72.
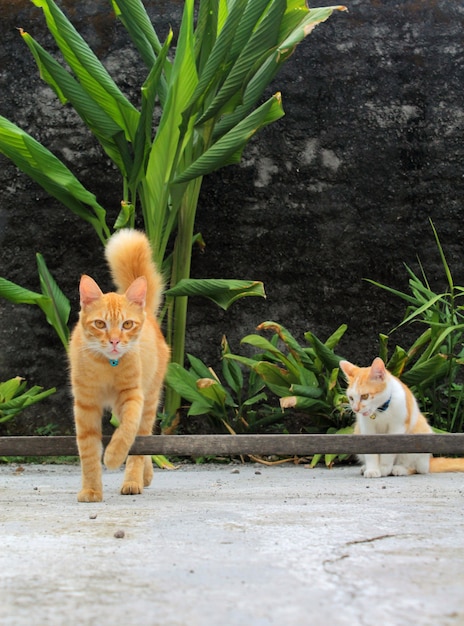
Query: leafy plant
column 304, row 378
column 51, row 301
column 14, row 397
column 234, row 406
column 433, row 364
column 208, row 89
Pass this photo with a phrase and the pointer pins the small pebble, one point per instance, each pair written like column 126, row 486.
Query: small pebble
column 257, row 472
column 235, row 471
column 93, row 516
column 119, row 534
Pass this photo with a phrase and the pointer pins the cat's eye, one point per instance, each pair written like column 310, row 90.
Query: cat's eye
column 100, row 324
column 128, row 324
column 364, row 396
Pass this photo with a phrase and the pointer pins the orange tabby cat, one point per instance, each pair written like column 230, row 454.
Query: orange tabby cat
column 118, row 358
column 383, row 404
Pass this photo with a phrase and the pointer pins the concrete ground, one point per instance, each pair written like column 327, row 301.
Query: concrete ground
column 232, row 545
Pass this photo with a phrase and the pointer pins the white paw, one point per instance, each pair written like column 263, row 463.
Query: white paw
column 372, row 473
column 400, row 470
column 386, row 470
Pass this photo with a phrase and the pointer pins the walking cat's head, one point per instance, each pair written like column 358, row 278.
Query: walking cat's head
column 111, row 322
column 367, row 386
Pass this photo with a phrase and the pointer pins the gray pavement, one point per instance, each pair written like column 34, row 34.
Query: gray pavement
column 263, row 546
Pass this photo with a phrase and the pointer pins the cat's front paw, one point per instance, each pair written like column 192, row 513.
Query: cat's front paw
column 131, row 488
column 372, row 473
column 386, row 470
column 89, row 495
column 400, row 470
column 114, row 456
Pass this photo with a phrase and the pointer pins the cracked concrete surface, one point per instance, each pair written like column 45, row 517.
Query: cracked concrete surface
column 206, row 545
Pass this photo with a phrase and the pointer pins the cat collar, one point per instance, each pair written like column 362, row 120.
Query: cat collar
column 381, row 409
column 114, row 362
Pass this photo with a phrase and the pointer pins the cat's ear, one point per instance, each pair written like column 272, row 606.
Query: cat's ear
column 348, row 369
column 89, row 290
column 378, row 371
column 137, row 292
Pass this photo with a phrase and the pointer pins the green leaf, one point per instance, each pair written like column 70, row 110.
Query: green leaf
column 68, row 89
column 433, row 369
column 223, row 292
column 277, row 379
column 327, row 356
column 228, row 149
column 233, row 375
column 305, row 391
column 43, row 167
column 287, row 338
column 184, row 383
column 58, row 308
column 19, row 295
column 133, row 15
column 199, row 369
column 9, row 389
column 89, row 71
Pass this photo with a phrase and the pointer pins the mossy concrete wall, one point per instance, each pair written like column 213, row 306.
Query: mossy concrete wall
column 341, row 189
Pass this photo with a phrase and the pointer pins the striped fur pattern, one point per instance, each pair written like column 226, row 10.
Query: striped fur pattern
column 118, row 359
column 383, row 404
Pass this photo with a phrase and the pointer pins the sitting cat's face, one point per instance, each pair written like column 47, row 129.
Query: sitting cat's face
column 367, row 386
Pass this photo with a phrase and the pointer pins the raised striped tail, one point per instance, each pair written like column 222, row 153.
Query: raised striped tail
column 129, row 256
column 444, row 464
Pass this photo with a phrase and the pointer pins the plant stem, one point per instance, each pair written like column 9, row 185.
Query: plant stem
column 181, row 269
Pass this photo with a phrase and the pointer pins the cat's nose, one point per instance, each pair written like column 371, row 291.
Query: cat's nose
column 114, row 342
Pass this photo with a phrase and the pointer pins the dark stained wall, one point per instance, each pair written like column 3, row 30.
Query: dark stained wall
column 340, row 189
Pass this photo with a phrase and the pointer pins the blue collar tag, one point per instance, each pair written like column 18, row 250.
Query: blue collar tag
column 114, row 362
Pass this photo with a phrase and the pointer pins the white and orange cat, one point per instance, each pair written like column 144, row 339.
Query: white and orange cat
column 383, row 404
column 118, row 358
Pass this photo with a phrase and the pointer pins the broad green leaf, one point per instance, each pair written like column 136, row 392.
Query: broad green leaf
column 335, row 337
column 222, row 292
column 9, row 409
column 212, row 391
column 43, row 167
column 184, row 383
column 126, row 216
column 228, row 149
column 9, row 388
column 59, row 308
column 199, row 369
column 287, row 338
column 326, row 355
column 233, row 375
column 277, row 379
column 88, row 69
column 433, row 369
column 306, row 391
column 143, row 135
column 262, row 38
column 304, row 403
column 219, row 59
column 137, row 23
column 397, row 361
column 168, row 144
column 19, row 295
column 68, row 89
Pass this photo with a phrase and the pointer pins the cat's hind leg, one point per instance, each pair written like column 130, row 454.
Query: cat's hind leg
column 139, row 469
column 133, row 475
